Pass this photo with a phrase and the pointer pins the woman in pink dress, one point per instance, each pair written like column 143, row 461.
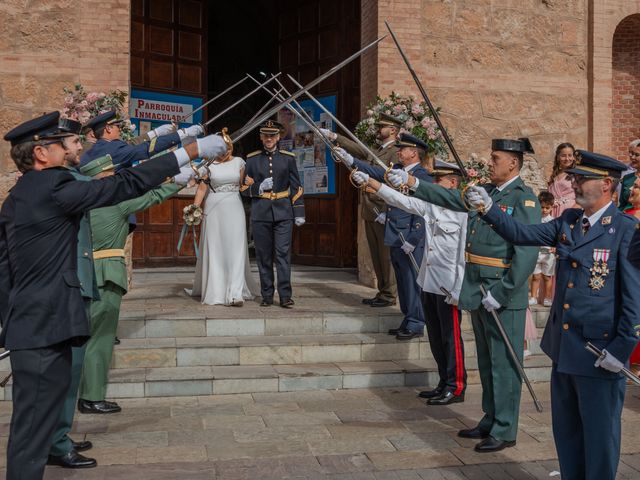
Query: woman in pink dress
column 559, row 184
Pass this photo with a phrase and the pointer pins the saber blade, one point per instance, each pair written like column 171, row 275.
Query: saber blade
column 224, row 92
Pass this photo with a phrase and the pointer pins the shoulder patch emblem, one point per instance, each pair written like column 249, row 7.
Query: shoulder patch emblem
column 287, row 152
column 253, row 154
column 529, row 203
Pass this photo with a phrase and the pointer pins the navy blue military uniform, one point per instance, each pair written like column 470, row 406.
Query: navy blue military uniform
column 412, row 228
column 272, row 216
column 596, row 300
column 41, row 307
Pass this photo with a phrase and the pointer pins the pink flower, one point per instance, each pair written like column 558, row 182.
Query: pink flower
column 416, row 109
column 92, row 97
column 425, row 122
column 369, row 113
column 409, row 124
column 472, row 172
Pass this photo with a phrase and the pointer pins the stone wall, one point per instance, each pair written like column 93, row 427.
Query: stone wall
column 626, row 86
column 496, row 68
column 46, row 45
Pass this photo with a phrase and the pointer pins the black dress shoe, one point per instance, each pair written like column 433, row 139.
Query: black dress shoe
column 378, row 302
column 408, row 335
column 81, row 446
column 491, row 444
column 287, row 303
column 436, row 392
column 86, row 406
column 395, row 331
column 116, row 341
column 473, row 433
column 72, row 460
column 368, row 301
column 266, row 302
column 446, row 398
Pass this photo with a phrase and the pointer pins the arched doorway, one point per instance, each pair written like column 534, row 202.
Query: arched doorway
column 625, row 104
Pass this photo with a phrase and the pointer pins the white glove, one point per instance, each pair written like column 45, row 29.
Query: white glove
column 345, row 157
column 329, row 134
column 192, row 131
column 299, row 221
column 609, row 362
column 489, row 303
column 478, row 198
column 211, row 146
column 381, row 218
column 451, row 299
column 266, row 185
column 407, row 248
column 360, row 178
column 186, row 173
column 164, row 129
column 398, row 177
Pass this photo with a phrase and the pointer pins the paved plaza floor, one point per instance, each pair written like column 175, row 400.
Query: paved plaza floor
column 346, row 433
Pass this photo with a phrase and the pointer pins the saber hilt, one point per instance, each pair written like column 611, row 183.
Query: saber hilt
column 411, row 257
column 512, row 354
column 625, row 371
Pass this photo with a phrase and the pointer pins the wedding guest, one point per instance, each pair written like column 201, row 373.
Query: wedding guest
column 559, row 184
column 629, row 179
column 545, row 266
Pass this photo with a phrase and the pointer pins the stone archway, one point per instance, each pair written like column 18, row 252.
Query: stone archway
column 625, row 101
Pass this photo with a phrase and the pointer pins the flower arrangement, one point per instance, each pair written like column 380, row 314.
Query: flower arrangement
column 416, row 117
column 81, row 106
column 192, row 215
column 478, row 171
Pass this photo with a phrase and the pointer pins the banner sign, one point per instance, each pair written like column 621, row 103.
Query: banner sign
column 149, row 109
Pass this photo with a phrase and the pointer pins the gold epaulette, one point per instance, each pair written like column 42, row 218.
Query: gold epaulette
column 253, row 154
column 287, row 152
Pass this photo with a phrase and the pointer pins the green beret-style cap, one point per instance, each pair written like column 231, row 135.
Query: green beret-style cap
column 98, row 165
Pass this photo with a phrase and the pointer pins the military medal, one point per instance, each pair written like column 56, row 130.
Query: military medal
column 599, row 269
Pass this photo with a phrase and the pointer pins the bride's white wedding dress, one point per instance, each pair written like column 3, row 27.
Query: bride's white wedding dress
column 223, row 274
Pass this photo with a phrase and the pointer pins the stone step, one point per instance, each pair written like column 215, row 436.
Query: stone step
column 207, row 380
column 271, row 350
column 272, row 322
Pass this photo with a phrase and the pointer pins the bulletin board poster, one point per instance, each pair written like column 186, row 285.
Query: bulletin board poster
column 316, row 168
column 148, row 110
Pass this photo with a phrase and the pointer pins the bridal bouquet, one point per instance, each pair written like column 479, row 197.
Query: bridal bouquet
column 81, row 106
column 192, row 215
column 416, row 117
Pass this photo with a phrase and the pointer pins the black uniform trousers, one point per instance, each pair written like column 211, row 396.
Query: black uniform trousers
column 445, row 339
column 41, row 379
column 587, row 411
column 269, row 238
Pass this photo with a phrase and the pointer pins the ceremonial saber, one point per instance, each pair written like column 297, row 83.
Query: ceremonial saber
column 227, row 90
column 434, row 112
column 349, row 133
column 411, row 257
column 262, row 108
column 233, row 105
column 5, row 354
column 625, row 371
column 512, row 353
column 4, row 382
column 296, row 94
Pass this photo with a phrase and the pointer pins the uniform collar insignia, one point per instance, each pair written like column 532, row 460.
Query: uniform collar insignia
column 606, row 220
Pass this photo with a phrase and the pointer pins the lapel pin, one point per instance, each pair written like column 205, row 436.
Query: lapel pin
column 612, row 230
column 606, row 220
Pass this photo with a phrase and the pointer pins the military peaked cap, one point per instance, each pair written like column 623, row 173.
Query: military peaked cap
column 45, row 127
column 407, row 140
column 596, row 165
column 444, row 168
column 386, row 120
column 271, row 127
column 521, row 145
column 101, row 121
column 70, row 126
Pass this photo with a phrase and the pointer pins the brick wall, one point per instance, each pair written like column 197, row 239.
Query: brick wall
column 626, row 86
column 48, row 44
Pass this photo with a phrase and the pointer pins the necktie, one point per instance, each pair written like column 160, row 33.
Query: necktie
column 585, row 225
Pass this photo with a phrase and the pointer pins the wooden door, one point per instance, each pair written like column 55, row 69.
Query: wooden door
column 168, row 54
column 313, row 36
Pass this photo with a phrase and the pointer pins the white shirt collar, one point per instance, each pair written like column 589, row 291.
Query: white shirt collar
column 507, row 183
column 411, row 167
column 593, row 219
column 386, row 144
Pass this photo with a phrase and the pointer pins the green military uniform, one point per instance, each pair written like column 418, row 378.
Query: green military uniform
column 372, row 203
column 503, row 269
column 625, row 190
column 110, row 227
column 61, row 444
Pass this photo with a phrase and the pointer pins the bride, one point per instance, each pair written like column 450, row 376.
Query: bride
column 223, row 275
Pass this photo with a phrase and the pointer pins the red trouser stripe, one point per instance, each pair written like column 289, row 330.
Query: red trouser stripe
column 457, row 342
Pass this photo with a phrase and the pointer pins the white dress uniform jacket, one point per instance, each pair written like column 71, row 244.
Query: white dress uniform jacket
column 444, row 245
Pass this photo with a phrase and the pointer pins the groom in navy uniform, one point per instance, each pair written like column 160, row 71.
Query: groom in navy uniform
column 273, row 184
column 596, row 300
column 404, row 234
